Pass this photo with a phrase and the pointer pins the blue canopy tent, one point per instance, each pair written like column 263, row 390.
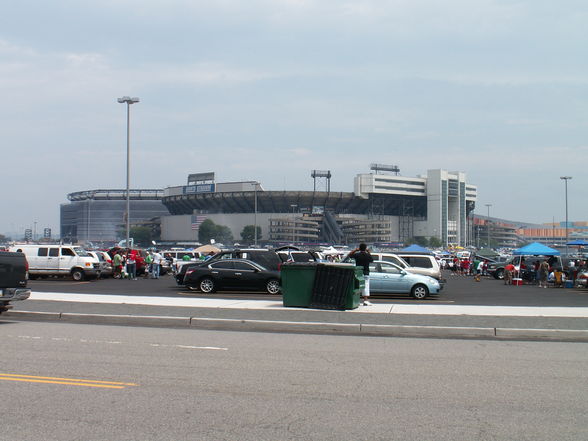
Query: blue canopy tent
column 533, row 249
column 536, row 249
column 578, row 242
column 414, row 248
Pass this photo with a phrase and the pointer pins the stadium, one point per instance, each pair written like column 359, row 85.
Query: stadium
column 384, row 208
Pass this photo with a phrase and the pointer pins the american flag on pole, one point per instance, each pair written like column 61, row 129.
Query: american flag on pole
column 196, row 221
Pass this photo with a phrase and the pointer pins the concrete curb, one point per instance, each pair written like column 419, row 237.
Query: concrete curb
column 571, row 335
column 543, row 334
column 427, row 331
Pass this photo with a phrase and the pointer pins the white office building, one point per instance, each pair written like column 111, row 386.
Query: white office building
column 449, row 200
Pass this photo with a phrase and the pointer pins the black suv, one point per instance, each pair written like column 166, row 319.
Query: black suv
column 269, row 259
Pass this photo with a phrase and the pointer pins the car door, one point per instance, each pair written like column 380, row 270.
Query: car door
column 376, row 277
column 67, row 260
column 392, row 279
column 53, row 259
column 38, row 264
column 223, row 273
column 248, row 276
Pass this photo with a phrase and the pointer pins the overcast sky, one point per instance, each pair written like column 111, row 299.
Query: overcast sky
column 270, row 89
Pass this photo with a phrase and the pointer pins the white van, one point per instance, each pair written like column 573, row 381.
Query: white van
column 391, row 257
column 59, row 260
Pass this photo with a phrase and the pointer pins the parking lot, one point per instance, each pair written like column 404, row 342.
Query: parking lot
column 458, row 290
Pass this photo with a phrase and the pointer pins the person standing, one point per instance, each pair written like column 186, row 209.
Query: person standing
column 363, row 258
column 117, row 261
column 508, row 273
column 149, row 265
column 543, row 273
column 156, row 265
column 132, row 264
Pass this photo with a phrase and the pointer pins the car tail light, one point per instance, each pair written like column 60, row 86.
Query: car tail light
column 189, row 272
column 583, row 276
column 280, row 266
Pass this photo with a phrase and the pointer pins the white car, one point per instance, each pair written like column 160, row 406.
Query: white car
column 104, row 262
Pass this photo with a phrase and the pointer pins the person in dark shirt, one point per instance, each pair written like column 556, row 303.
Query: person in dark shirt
column 363, row 258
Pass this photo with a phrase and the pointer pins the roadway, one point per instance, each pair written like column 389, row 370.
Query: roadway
column 71, row 382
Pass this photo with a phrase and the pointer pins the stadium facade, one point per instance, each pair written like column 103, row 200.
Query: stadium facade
column 383, row 208
column 99, row 215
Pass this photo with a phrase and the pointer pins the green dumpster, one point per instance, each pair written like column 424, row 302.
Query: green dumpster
column 297, row 283
column 353, row 295
column 337, row 286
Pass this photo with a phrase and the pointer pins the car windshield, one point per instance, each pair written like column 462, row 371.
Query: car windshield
column 81, row 252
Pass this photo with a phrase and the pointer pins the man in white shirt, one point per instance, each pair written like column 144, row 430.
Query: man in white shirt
column 156, row 265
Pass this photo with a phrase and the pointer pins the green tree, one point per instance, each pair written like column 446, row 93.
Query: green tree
column 224, row 234
column 142, row 236
column 419, row 240
column 435, row 242
column 209, row 230
column 248, row 233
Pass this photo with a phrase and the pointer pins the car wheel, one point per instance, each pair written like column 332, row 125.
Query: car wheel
column 77, row 275
column 207, row 285
column 420, row 292
column 272, row 286
column 499, row 274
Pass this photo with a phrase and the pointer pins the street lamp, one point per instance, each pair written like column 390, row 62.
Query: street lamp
column 566, row 179
column 128, row 101
column 255, row 215
column 488, row 225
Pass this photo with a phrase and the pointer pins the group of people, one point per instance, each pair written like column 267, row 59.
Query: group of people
column 544, row 272
column 124, row 264
column 465, row 267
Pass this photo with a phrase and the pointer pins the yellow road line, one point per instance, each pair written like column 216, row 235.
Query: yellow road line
column 29, row 380
column 70, row 381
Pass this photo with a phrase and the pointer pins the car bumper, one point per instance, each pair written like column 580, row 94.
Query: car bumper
column 12, row 294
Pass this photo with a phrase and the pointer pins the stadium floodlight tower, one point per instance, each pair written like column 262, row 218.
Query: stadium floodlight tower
column 128, row 101
column 317, row 174
column 385, row 168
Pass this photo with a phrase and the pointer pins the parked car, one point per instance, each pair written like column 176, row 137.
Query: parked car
column 297, row 256
column 582, row 279
column 424, row 264
column 266, row 258
column 104, row 262
column 227, row 274
column 58, row 260
column 386, row 277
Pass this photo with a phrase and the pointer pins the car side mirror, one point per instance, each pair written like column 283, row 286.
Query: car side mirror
column 403, row 273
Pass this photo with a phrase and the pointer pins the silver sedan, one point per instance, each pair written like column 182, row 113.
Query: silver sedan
column 386, row 277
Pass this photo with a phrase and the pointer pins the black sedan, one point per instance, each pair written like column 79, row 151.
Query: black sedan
column 232, row 274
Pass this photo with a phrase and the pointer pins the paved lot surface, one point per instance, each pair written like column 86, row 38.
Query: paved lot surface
column 464, row 303
column 458, row 290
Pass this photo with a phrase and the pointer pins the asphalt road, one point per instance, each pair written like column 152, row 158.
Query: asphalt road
column 458, row 290
column 70, row 382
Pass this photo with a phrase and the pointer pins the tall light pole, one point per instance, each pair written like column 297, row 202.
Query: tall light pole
column 255, row 215
column 566, row 179
column 128, row 101
column 488, row 225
